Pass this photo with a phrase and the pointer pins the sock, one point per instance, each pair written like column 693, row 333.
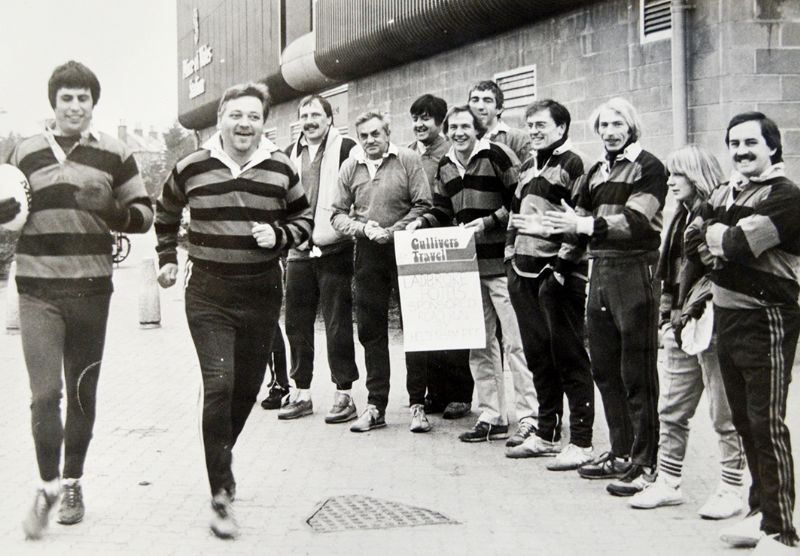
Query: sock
column 304, row 394
column 732, row 477
column 52, row 488
column 71, row 482
column 347, row 392
column 670, row 470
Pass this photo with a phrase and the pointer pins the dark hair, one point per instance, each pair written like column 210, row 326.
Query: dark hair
column 326, row 106
column 257, row 90
column 72, row 75
column 430, row 105
column 558, row 112
column 479, row 127
column 488, row 86
column 769, row 130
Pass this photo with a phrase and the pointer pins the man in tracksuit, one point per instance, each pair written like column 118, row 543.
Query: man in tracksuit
column 320, row 271
column 619, row 204
column 751, row 229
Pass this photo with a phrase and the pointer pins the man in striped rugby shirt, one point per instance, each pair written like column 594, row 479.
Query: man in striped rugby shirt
column 84, row 184
column 246, row 206
column 750, row 229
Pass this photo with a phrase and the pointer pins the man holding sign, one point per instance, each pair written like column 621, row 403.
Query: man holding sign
column 474, row 184
column 382, row 187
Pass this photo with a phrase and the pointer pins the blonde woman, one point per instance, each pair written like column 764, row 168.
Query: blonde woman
column 693, row 174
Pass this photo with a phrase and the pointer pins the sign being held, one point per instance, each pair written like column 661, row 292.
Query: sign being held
column 440, row 295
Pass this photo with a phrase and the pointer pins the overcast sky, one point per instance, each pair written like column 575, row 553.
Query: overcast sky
column 130, row 44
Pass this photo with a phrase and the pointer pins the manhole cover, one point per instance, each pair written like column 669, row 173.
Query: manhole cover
column 340, row 513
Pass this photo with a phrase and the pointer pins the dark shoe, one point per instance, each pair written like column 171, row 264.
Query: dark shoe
column 72, row 508
column 296, row 409
column 526, row 427
column 456, row 410
column 434, row 406
column 275, row 397
column 634, row 481
column 38, row 516
column 223, row 524
column 482, row 432
column 607, row 466
column 343, row 409
column 372, row 418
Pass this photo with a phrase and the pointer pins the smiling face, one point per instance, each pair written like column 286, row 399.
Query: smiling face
column 484, row 105
column 749, row 150
column 462, row 133
column 73, row 110
column 425, row 128
column 373, row 138
column 314, row 121
column 543, row 130
column 613, row 130
column 241, row 125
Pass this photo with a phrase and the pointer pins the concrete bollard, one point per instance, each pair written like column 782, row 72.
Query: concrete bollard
column 149, row 303
column 12, row 301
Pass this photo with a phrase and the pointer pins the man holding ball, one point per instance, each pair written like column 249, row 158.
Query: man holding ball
column 83, row 184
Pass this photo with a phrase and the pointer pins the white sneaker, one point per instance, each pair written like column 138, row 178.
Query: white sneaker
column 533, row 447
column 769, row 545
column 571, row 457
column 657, row 494
column 725, row 502
column 744, row 533
column 419, row 421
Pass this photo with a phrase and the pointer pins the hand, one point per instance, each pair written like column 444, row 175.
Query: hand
column 264, row 235
column 168, row 275
column 413, row 225
column 714, row 238
column 529, row 224
column 9, row 208
column 376, row 233
column 559, row 222
column 476, row 225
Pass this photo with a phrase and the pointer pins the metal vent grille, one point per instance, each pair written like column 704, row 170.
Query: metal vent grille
column 295, row 128
column 271, row 134
column 656, row 19
column 518, row 86
column 341, row 513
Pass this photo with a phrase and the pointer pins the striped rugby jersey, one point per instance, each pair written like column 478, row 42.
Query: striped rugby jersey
column 626, row 200
column 761, row 246
column 545, row 180
column 225, row 202
column 63, row 249
column 483, row 191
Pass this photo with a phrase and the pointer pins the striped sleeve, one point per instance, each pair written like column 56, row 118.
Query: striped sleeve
column 296, row 228
column 573, row 246
column 442, row 213
column 129, row 190
column 169, row 209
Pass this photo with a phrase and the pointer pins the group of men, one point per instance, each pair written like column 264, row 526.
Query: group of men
column 537, row 213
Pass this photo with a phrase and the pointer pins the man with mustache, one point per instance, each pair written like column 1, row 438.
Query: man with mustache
column 246, row 206
column 619, row 203
column 449, row 381
column 84, row 184
column 750, row 230
column 320, row 271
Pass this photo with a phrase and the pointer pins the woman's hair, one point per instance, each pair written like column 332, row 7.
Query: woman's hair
column 699, row 166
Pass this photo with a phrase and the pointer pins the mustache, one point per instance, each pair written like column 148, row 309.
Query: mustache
column 742, row 157
column 310, row 126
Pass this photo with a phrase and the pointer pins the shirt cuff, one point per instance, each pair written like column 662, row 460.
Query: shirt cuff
column 585, row 225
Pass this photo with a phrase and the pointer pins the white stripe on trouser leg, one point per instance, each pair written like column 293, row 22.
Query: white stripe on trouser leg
column 776, row 409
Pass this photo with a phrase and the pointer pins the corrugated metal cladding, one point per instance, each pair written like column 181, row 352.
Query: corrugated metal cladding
column 358, row 37
column 244, row 36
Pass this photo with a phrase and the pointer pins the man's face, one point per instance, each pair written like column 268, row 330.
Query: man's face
column 543, row 130
column 373, row 138
column 749, row 150
column 425, row 128
column 462, row 133
column 314, row 121
column 484, row 105
column 73, row 110
column 613, row 130
column 241, row 125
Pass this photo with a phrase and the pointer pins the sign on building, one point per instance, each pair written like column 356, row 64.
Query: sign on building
column 440, row 293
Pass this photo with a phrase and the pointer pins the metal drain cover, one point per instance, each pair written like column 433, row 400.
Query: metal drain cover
column 341, row 513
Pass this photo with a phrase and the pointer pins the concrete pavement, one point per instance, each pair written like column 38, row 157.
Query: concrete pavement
column 146, row 490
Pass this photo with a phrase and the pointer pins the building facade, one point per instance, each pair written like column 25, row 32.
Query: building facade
column 733, row 55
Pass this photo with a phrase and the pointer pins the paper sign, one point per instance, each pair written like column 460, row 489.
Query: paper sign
column 440, row 294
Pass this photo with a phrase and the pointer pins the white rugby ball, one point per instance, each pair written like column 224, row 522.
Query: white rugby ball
column 13, row 183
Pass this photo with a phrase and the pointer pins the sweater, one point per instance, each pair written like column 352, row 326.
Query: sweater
column 225, row 201
column 63, row 249
column 515, row 139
